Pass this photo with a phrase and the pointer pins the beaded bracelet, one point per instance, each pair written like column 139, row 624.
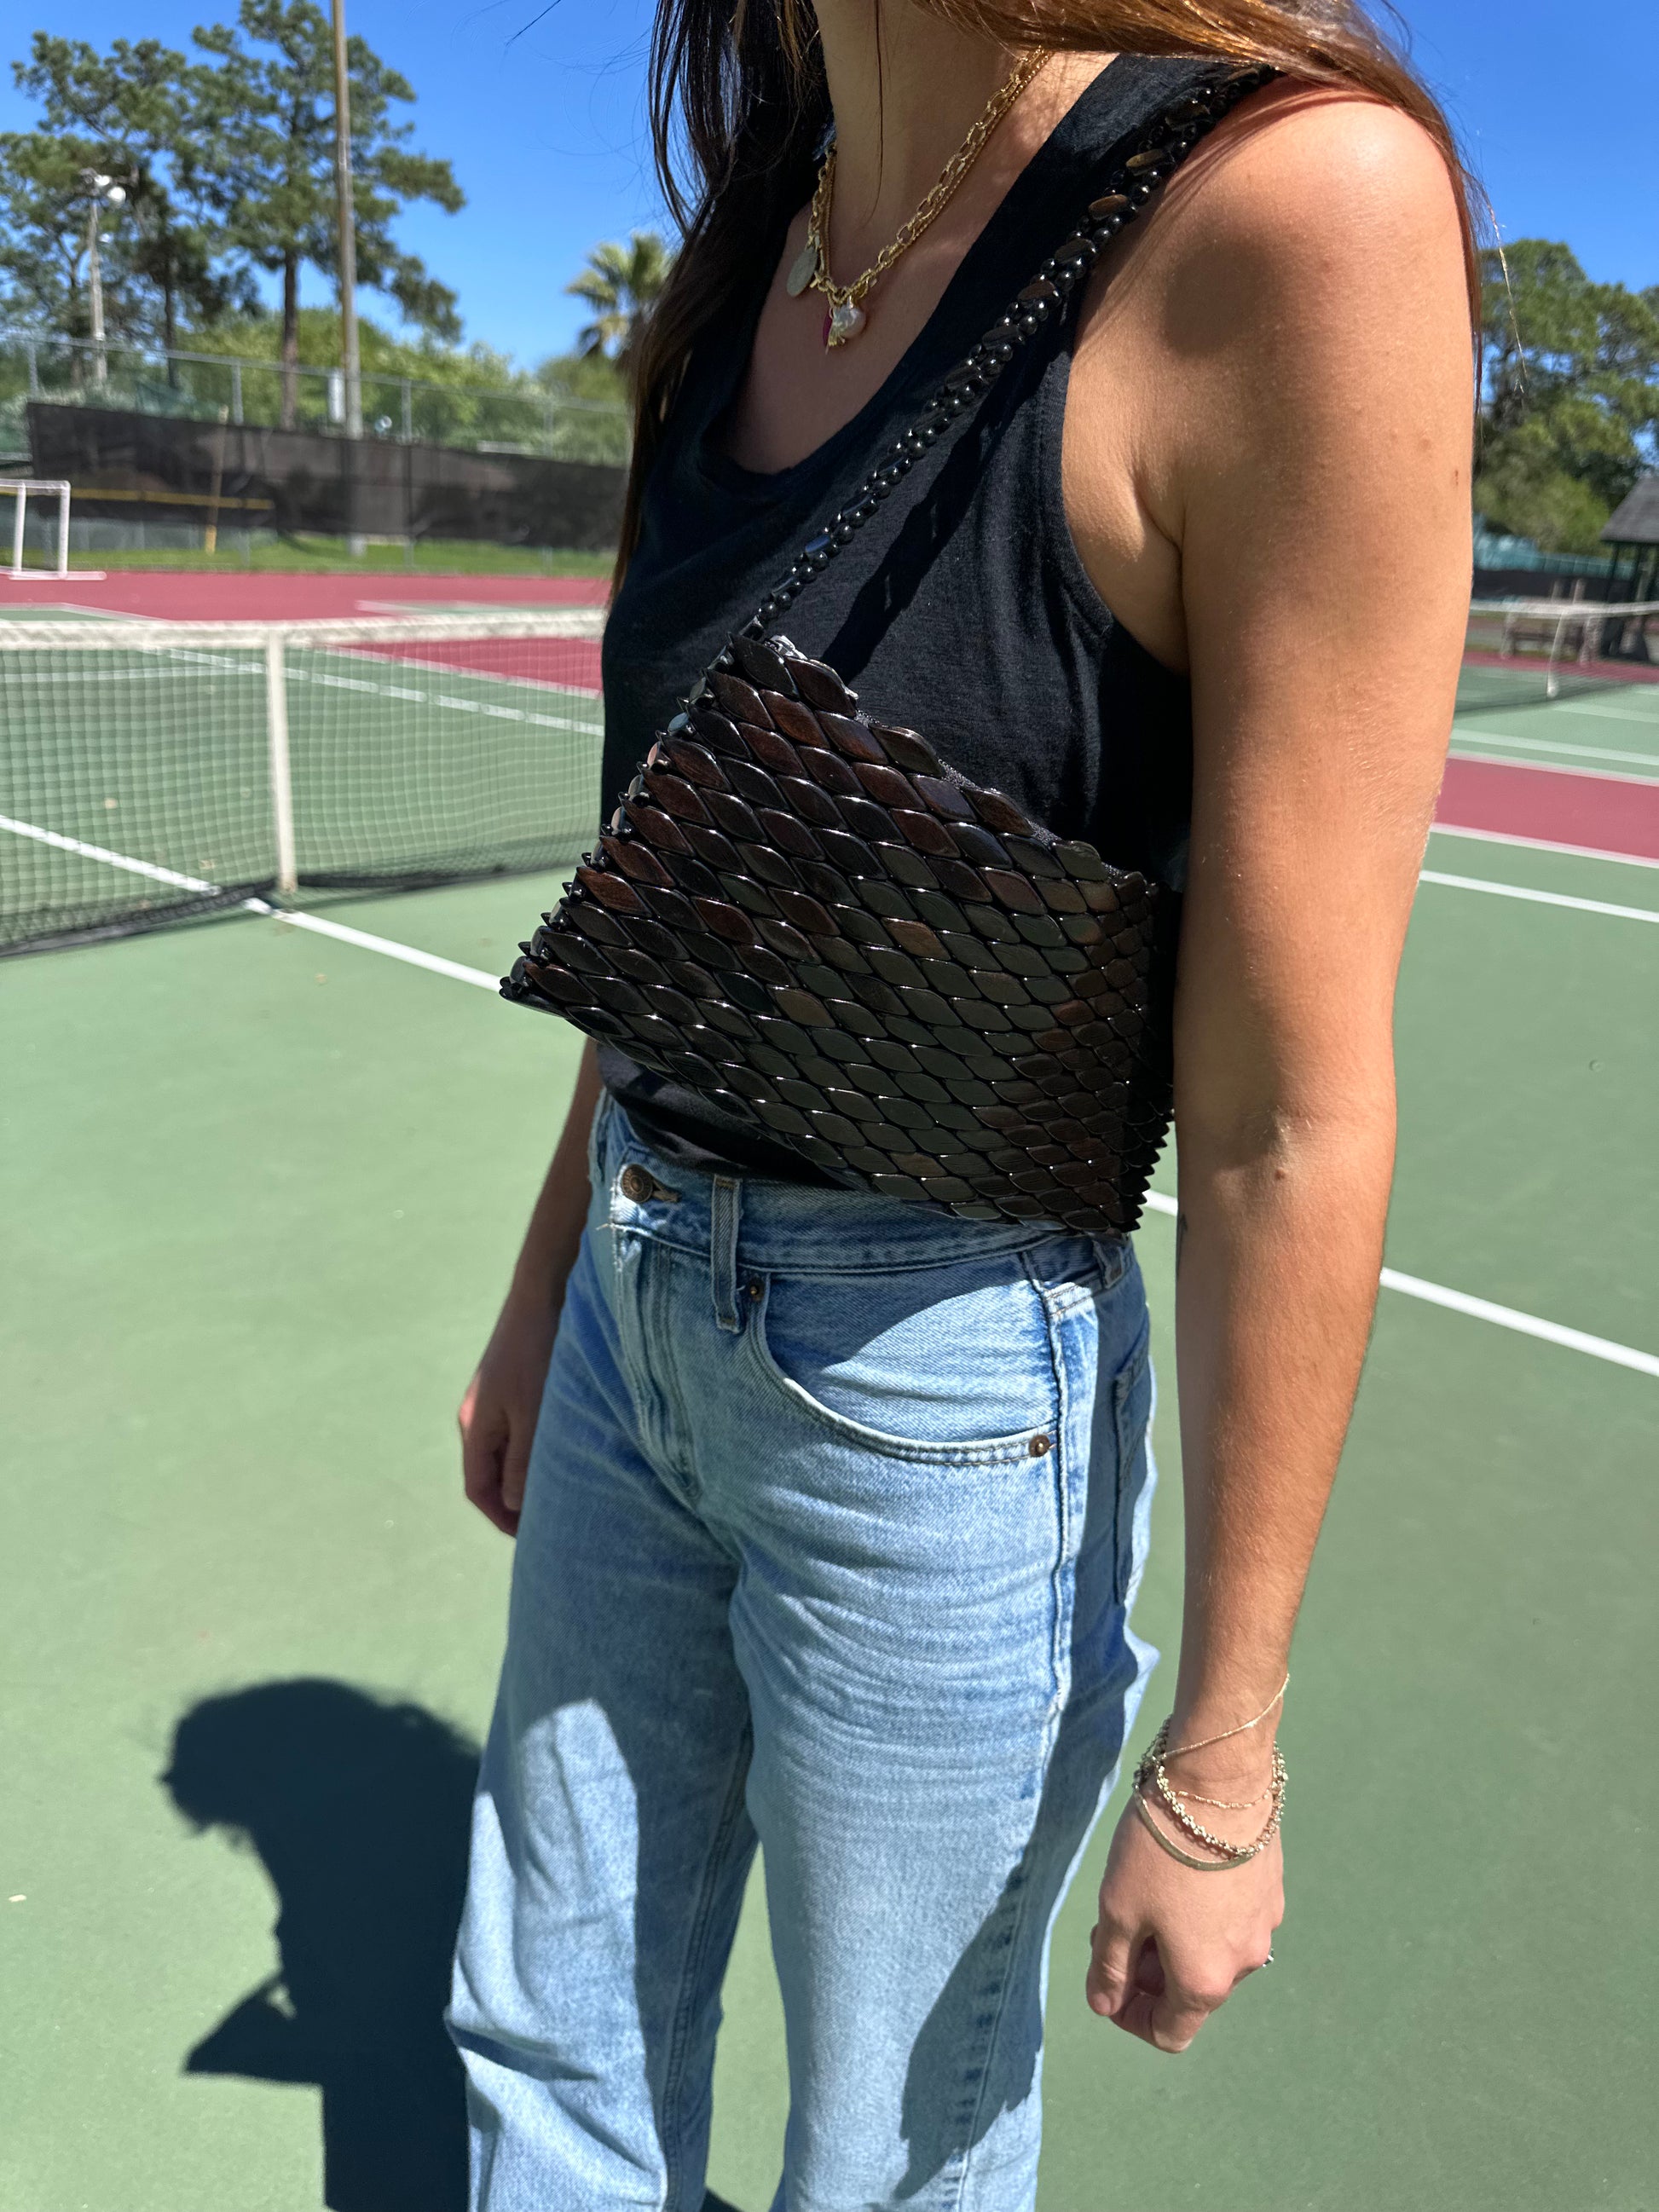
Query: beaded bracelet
column 1151, row 1773
column 1151, row 1769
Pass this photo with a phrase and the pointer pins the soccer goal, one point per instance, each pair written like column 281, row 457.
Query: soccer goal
column 22, row 489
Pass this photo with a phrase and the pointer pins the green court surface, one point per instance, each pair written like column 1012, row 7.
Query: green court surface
column 1608, row 730
column 261, row 1192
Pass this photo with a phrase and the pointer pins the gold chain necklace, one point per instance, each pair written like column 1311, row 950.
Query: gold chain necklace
column 844, row 315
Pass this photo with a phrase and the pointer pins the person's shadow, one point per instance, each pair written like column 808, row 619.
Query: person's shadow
column 360, row 1811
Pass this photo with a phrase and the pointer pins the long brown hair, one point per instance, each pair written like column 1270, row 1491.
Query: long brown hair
column 739, row 105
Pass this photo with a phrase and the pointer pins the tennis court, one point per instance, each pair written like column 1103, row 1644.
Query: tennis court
column 263, row 1184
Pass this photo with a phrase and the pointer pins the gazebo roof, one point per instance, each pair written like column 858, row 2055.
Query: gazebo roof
column 1634, row 520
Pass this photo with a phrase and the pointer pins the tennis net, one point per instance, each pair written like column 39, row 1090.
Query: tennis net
column 1521, row 653
column 149, row 770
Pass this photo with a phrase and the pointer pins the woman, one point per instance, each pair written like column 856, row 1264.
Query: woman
column 837, row 1503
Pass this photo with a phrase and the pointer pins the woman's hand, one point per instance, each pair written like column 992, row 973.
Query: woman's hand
column 498, row 1413
column 1172, row 1944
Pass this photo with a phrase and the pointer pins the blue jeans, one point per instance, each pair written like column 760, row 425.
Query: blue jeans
column 837, row 1510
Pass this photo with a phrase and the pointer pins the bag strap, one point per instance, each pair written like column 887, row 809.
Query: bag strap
column 1165, row 143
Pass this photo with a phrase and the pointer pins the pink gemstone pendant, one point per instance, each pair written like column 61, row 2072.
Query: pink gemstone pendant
column 842, row 324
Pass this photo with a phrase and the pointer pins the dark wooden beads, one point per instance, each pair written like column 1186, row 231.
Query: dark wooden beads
column 894, row 972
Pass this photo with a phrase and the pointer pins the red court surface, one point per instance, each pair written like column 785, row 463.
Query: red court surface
column 1551, row 806
column 177, row 596
column 578, row 666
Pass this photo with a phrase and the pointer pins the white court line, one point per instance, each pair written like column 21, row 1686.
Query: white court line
column 1523, row 1324
column 1608, row 711
column 1413, row 1287
column 1550, row 745
column 1538, row 898
column 409, row 954
column 62, row 844
column 389, row 945
column 1559, row 768
column 590, row 614
column 1547, row 1332
column 1542, row 845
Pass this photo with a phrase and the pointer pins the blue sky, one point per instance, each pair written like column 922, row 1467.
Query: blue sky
column 542, row 117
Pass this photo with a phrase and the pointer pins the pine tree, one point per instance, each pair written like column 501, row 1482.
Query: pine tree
column 125, row 115
column 264, row 159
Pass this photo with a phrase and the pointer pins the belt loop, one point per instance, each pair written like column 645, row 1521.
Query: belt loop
column 723, row 1250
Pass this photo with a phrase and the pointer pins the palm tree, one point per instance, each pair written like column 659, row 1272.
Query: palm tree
column 621, row 284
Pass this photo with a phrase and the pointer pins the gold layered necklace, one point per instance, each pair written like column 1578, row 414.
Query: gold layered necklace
column 844, row 313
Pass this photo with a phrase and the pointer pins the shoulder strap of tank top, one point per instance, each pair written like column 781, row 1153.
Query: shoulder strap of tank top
column 1164, row 143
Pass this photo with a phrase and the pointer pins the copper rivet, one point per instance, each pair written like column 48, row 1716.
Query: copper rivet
column 637, row 1185
column 1037, row 1446
column 754, row 1289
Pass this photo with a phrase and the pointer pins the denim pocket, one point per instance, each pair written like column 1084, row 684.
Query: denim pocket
column 950, row 1365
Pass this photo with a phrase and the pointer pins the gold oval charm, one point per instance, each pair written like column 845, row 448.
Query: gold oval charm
column 802, row 270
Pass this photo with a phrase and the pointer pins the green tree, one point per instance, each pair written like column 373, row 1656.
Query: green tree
column 43, row 229
column 589, row 376
column 621, row 284
column 265, row 161
column 125, row 115
column 1571, row 395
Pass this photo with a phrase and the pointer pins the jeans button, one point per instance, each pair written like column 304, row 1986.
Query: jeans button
column 637, row 1185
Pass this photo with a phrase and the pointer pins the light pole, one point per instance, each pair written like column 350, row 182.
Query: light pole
column 102, row 190
column 346, row 216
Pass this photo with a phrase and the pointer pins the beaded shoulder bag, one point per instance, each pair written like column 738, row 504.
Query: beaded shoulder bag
column 807, row 916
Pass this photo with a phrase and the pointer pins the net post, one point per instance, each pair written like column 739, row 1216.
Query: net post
column 63, row 529
column 21, row 504
column 281, row 773
column 1553, row 682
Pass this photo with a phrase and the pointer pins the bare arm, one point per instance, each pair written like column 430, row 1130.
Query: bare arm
column 498, row 1413
column 1320, row 508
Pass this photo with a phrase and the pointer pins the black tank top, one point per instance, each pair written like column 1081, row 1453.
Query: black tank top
column 963, row 609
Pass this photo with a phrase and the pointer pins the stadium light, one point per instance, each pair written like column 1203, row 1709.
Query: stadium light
column 102, row 191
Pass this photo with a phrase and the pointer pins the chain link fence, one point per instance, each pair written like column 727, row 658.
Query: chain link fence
column 523, row 417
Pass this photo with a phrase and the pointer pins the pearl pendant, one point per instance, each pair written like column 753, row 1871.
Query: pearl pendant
column 842, row 324
column 802, row 270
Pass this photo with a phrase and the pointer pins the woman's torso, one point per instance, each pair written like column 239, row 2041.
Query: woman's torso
column 963, row 609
